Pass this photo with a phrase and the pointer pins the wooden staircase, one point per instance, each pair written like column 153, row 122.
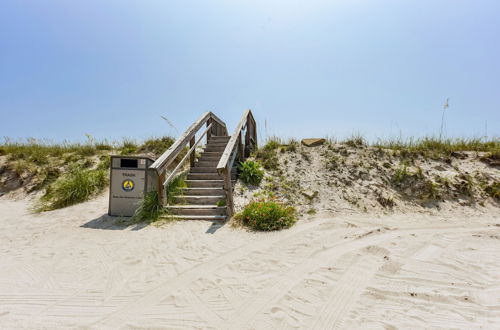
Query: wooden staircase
column 205, row 187
column 210, row 180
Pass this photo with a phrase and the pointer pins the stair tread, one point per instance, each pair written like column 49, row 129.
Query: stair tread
column 202, row 188
column 199, row 217
column 201, row 196
column 195, row 206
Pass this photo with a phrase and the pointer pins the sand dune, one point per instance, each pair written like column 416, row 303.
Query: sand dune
column 73, row 268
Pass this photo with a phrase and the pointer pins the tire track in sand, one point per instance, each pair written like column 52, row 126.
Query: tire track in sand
column 242, row 316
column 154, row 296
column 346, row 292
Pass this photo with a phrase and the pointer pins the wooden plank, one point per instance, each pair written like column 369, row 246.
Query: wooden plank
column 169, row 156
column 228, row 187
column 160, row 188
column 219, row 121
column 221, row 167
column 192, row 157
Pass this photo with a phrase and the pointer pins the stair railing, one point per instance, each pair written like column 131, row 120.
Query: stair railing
column 215, row 126
column 235, row 148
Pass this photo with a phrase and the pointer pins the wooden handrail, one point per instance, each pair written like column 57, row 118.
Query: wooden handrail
column 216, row 126
column 174, row 171
column 228, row 157
column 169, row 156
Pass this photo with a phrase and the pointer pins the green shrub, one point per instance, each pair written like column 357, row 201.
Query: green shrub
column 268, row 215
column 149, row 208
column 76, row 187
column 251, row 172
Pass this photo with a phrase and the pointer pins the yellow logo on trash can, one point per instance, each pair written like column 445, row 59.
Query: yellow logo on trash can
column 128, row 185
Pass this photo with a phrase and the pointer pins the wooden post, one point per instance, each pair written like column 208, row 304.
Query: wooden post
column 193, row 154
column 254, row 130
column 228, row 187
column 241, row 156
column 160, row 188
column 209, row 133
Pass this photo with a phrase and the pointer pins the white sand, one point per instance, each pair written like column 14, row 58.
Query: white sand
column 64, row 269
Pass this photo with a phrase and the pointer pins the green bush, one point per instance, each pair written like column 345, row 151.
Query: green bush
column 76, row 187
column 267, row 215
column 251, row 172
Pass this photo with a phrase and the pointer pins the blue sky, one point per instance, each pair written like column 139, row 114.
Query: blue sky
column 305, row 68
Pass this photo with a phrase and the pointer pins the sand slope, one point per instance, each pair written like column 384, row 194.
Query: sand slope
column 73, row 268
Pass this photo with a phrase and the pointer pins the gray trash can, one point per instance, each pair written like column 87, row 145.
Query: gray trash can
column 130, row 179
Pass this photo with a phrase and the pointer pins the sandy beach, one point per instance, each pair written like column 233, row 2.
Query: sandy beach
column 73, row 268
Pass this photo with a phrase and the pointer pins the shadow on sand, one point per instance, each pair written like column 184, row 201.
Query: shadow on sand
column 214, row 227
column 112, row 223
column 106, row 222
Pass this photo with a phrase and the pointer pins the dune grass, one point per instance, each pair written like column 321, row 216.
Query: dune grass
column 74, row 187
column 441, row 147
column 149, row 209
column 70, row 173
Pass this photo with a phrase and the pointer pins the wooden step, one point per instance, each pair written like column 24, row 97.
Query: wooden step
column 198, row 200
column 209, row 159
column 220, row 139
column 204, row 176
column 207, row 163
column 198, row 217
column 207, row 176
column 211, row 154
column 204, row 183
column 198, row 169
column 197, row 210
column 210, row 148
column 203, row 191
column 217, row 144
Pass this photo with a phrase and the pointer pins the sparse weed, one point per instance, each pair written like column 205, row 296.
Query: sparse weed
column 221, row 202
column 465, row 184
column 267, row 155
column 493, row 190
column 156, row 145
column 356, row 140
column 385, row 200
column 400, row 175
column 312, row 211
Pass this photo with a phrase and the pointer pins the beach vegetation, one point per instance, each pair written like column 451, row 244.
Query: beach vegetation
column 149, row 209
column 251, row 172
column 267, row 215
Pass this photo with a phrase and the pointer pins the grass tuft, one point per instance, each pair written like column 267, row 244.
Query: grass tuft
column 149, row 209
column 75, row 187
